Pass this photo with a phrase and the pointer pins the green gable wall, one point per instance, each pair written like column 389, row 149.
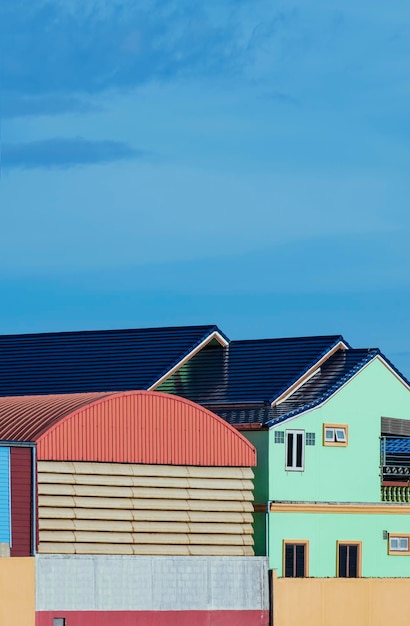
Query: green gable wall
column 342, row 474
column 334, row 474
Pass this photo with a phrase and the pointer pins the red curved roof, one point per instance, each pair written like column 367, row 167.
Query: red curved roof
column 127, row 427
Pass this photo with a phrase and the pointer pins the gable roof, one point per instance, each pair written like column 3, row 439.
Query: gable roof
column 255, row 371
column 335, row 372
column 93, row 361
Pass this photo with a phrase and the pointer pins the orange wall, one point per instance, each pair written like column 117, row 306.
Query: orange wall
column 341, row 602
column 17, row 591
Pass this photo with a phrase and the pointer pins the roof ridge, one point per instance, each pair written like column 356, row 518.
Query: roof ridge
column 112, row 330
column 296, row 337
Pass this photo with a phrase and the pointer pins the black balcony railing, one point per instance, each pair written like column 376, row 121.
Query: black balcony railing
column 395, row 469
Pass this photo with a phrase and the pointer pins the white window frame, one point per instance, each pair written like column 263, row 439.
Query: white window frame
column 399, row 538
column 295, row 433
column 338, row 435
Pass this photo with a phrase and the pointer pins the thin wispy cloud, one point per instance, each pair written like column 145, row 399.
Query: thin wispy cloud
column 281, row 98
column 21, row 105
column 64, row 47
column 66, row 153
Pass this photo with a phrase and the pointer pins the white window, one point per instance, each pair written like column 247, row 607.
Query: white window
column 334, row 435
column 295, row 450
column 398, row 543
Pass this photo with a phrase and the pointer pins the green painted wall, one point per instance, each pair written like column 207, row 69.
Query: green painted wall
column 324, row 530
column 260, row 439
column 333, row 474
column 259, row 534
column 345, row 474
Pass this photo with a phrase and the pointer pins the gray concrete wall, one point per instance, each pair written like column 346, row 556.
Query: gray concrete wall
column 139, row 583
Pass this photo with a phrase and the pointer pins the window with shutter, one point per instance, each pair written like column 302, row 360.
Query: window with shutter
column 348, row 559
column 295, row 557
column 295, row 450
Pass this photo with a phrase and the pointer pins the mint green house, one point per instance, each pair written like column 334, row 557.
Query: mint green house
column 331, row 426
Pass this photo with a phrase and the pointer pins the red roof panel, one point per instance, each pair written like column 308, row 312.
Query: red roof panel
column 127, row 427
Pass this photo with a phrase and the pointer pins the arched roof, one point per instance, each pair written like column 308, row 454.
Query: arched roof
column 126, row 427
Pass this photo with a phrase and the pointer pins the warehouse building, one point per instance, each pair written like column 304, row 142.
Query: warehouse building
column 131, row 475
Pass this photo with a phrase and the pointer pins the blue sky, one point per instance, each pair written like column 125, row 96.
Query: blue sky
column 244, row 163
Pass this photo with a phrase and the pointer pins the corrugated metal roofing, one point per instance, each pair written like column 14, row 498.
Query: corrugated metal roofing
column 335, row 372
column 26, row 418
column 248, row 371
column 395, row 426
column 128, row 427
column 107, row 360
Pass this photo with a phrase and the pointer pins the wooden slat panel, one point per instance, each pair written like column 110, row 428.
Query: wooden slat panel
column 145, row 515
column 132, row 509
column 144, row 503
column 64, row 536
column 143, row 526
column 144, row 481
column 144, row 492
column 128, row 469
column 167, row 550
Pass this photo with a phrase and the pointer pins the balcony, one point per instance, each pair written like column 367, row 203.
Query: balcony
column 395, row 492
column 395, row 469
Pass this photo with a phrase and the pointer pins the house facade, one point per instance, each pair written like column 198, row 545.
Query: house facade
column 325, row 500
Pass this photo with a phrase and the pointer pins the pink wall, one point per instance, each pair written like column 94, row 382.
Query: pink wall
column 155, row 618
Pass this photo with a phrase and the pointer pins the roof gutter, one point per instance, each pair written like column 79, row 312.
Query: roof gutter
column 17, row 444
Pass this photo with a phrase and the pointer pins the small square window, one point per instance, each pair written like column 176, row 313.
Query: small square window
column 310, row 439
column 335, row 435
column 399, row 544
column 279, row 436
column 59, row 621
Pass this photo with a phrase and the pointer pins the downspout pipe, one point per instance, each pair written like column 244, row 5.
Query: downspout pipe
column 34, row 500
column 267, row 527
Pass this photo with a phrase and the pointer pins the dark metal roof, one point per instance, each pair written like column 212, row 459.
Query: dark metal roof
column 335, row 372
column 248, row 371
column 88, row 361
column 395, row 426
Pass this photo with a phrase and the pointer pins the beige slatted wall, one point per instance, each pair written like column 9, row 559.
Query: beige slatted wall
column 119, row 508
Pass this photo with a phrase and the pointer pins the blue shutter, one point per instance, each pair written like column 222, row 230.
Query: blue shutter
column 4, row 495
